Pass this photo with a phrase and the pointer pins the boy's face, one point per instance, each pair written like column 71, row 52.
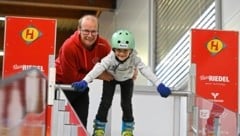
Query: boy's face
column 122, row 54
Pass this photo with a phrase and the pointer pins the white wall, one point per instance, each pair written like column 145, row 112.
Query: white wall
column 231, row 15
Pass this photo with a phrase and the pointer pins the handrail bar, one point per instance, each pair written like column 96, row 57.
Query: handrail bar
column 181, row 93
column 64, row 87
column 145, row 89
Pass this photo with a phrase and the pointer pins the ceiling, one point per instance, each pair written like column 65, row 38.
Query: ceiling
column 65, row 11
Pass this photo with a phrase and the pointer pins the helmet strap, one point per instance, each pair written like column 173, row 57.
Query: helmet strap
column 120, row 62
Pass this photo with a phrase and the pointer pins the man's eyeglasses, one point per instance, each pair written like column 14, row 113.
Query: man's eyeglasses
column 87, row 32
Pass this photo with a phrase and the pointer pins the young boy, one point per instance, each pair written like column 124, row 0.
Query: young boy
column 120, row 62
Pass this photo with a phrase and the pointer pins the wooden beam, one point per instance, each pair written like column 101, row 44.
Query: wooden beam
column 42, row 12
column 103, row 4
column 65, row 5
column 55, row 8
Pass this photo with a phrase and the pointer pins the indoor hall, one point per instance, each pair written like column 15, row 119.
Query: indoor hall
column 163, row 31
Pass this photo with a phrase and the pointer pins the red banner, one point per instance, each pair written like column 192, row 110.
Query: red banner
column 215, row 54
column 28, row 43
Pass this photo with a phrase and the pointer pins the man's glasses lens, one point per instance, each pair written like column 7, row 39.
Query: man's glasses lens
column 87, row 32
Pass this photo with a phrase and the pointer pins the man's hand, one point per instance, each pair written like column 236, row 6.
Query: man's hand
column 135, row 74
column 105, row 76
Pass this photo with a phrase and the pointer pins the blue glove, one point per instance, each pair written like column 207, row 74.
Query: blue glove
column 80, row 86
column 163, row 90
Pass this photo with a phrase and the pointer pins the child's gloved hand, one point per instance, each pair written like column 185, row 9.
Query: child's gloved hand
column 80, row 86
column 163, row 90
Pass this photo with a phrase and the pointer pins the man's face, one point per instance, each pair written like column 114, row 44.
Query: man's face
column 88, row 32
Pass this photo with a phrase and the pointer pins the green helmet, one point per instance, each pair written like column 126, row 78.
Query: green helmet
column 123, row 39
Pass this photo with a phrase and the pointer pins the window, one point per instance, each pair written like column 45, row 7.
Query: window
column 173, row 40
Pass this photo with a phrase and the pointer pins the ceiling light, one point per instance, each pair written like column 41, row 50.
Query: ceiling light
column 2, row 18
